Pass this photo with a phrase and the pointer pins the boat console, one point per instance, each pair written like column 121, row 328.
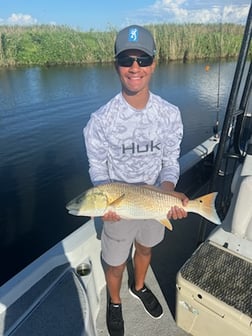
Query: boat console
column 214, row 285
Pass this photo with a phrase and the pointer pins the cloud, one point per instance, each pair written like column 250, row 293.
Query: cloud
column 20, row 19
column 238, row 14
column 198, row 11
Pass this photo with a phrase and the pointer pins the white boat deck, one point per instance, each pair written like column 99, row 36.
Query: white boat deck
column 49, row 298
column 136, row 321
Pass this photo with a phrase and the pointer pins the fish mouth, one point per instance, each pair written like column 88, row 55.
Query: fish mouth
column 71, row 206
column 73, row 211
column 68, row 206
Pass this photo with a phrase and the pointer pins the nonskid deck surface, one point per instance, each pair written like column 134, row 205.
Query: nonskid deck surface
column 136, row 321
column 63, row 309
column 223, row 275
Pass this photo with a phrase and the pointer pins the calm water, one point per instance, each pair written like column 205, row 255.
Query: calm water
column 42, row 158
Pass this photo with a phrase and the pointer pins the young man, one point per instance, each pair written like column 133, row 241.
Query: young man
column 134, row 138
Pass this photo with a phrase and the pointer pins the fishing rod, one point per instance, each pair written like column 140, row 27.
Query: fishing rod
column 231, row 106
column 231, row 110
column 216, row 126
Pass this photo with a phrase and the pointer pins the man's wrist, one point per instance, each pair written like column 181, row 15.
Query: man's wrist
column 167, row 186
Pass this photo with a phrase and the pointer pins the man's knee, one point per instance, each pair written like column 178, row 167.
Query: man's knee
column 115, row 271
column 142, row 250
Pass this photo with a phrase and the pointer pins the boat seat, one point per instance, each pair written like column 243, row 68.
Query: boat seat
column 242, row 216
column 239, row 217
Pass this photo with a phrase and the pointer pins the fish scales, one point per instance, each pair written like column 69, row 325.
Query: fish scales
column 141, row 202
column 131, row 201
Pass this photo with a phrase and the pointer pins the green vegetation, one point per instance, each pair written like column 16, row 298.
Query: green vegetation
column 53, row 45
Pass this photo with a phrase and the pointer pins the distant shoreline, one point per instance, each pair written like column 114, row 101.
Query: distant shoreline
column 45, row 45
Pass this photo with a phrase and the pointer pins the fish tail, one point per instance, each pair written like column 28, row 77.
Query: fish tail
column 206, row 207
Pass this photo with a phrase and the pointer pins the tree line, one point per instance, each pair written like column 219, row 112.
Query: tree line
column 54, row 45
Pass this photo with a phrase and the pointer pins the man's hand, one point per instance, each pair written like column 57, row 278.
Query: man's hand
column 176, row 212
column 111, row 216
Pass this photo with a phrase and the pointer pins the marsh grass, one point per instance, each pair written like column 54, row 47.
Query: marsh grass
column 55, row 45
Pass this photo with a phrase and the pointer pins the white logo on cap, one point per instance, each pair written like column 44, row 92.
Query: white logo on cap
column 133, row 35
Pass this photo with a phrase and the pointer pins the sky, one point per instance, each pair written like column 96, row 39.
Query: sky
column 103, row 15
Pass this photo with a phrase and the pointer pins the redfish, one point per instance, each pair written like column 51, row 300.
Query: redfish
column 131, row 201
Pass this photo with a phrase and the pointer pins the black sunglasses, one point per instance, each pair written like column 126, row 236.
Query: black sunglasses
column 127, row 61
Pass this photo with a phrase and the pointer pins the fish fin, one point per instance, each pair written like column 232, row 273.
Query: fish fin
column 154, row 188
column 159, row 190
column 117, row 200
column 166, row 223
column 207, row 207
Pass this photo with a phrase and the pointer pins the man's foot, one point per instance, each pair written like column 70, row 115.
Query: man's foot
column 149, row 301
column 115, row 322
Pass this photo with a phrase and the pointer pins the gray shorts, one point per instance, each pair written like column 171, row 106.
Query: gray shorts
column 118, row 237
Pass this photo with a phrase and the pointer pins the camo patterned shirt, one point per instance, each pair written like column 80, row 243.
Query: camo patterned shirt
column 134, row 146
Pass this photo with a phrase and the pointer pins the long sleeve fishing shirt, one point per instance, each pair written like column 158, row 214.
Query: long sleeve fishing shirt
column 134, row 146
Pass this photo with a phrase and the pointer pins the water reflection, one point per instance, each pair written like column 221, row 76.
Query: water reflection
column 25, row 86
column 10, row 206
column 48, row 213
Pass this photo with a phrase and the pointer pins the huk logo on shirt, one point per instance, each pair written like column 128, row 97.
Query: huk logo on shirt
column 134, row 148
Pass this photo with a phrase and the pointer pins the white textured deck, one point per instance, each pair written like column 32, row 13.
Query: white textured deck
column 136, row 321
